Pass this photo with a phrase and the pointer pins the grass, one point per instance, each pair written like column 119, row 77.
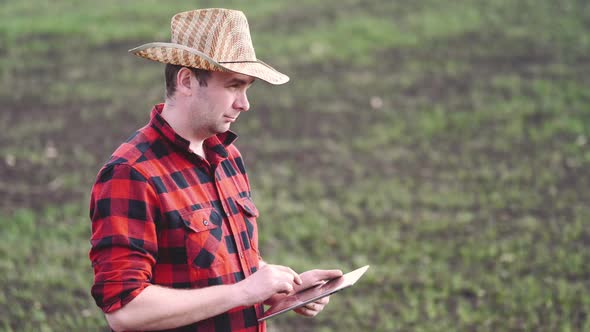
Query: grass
column 444, row 143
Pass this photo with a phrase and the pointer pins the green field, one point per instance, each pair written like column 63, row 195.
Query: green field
column 445, row 143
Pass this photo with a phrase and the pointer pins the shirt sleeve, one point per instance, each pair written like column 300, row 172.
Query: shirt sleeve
column 123, row 210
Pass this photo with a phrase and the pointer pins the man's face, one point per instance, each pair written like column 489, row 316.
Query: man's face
column 216, row 106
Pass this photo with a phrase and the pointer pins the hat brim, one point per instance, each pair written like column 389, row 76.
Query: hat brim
column 181, row 55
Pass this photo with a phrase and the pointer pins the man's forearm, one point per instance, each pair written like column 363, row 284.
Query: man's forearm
column 158, row 308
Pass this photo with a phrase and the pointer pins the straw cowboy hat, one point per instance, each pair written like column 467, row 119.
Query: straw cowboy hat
column 212, row 39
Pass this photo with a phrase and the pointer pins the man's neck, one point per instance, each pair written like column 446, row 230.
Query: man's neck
column 198, row 149
column 177, row 119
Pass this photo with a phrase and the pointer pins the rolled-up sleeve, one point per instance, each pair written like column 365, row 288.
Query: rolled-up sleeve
column 124, row 210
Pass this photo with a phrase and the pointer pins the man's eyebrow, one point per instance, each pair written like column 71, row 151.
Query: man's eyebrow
column 240, row 81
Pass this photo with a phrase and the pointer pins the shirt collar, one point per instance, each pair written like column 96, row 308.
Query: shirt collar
column 216, row 144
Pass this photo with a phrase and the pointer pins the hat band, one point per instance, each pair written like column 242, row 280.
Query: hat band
column 244, row 61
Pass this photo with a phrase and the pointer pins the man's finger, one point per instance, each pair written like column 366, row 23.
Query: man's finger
column 323, row 300
column 285, row 288
column 298, row 280
column 296, row 277
column 325, row 274
column 306, row 312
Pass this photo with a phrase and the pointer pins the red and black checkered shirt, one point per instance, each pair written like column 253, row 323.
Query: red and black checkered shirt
column 163, row 215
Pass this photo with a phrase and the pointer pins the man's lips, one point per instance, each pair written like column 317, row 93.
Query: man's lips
column 230, row 118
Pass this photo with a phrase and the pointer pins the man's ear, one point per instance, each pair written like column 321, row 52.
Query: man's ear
column 184, row 81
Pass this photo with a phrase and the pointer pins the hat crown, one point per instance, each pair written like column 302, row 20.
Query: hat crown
column 222, row 34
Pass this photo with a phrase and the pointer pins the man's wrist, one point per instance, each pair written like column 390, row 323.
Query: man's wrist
column 241, row 295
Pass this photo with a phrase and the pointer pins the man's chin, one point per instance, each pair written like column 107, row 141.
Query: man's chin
column 222, row 129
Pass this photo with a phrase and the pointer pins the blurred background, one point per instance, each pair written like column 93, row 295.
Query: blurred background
column 446, row 143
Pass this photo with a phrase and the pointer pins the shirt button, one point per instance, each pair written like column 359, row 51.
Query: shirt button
column 205, row 222
column 241, row 255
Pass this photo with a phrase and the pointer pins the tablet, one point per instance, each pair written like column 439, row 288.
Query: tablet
column 314, row 293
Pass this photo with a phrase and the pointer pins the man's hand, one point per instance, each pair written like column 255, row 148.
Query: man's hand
column 309, row 279
column 268, row 281
column 314, row 278
column 313, row 308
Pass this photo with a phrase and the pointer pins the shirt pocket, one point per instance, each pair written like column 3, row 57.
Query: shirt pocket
column 249, row 214
column 204, row 245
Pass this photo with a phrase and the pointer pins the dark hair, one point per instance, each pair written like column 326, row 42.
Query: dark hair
column 170, row 74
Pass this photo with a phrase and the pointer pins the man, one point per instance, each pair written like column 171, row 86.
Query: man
column 174, row 232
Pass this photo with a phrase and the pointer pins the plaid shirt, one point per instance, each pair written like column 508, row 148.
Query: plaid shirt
column 162, row 215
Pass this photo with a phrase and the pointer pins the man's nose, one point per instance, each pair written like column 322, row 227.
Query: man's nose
column 241, row 103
